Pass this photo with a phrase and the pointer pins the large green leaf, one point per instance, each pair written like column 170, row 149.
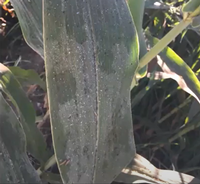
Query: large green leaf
column 35, row 142
column 15, row 166
column 191, row 6
column 91, row 54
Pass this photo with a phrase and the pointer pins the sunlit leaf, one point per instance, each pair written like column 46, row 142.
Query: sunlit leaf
column 142, row 171
column 175, row 68
column 137, row 10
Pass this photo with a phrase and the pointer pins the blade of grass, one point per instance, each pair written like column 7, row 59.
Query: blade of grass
column 164, row 42
column 175, row 110
column 137, row 10
column 173, row 65
column 168, row 38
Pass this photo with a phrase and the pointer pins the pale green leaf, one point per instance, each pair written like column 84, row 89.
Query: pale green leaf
column 191, row 6
column 196, row 22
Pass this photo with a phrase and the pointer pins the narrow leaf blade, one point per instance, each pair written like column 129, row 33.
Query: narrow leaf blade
column 178, row 69
column 137, row 12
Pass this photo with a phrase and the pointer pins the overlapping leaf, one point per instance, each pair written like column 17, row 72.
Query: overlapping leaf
column 35, row 142
column 175, row 68
column 137, row 10
column 29, row 14
column 191, row 6
column 29, row 76
column 142, row 171
column 15, row 166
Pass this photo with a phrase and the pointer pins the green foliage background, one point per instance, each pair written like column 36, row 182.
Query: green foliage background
column 164, row 103
column 167, row 118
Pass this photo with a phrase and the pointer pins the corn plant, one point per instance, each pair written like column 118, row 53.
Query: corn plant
column 95, row 52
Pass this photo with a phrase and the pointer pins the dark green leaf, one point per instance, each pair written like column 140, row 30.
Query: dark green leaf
column 35, row 142
column 15, row 166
